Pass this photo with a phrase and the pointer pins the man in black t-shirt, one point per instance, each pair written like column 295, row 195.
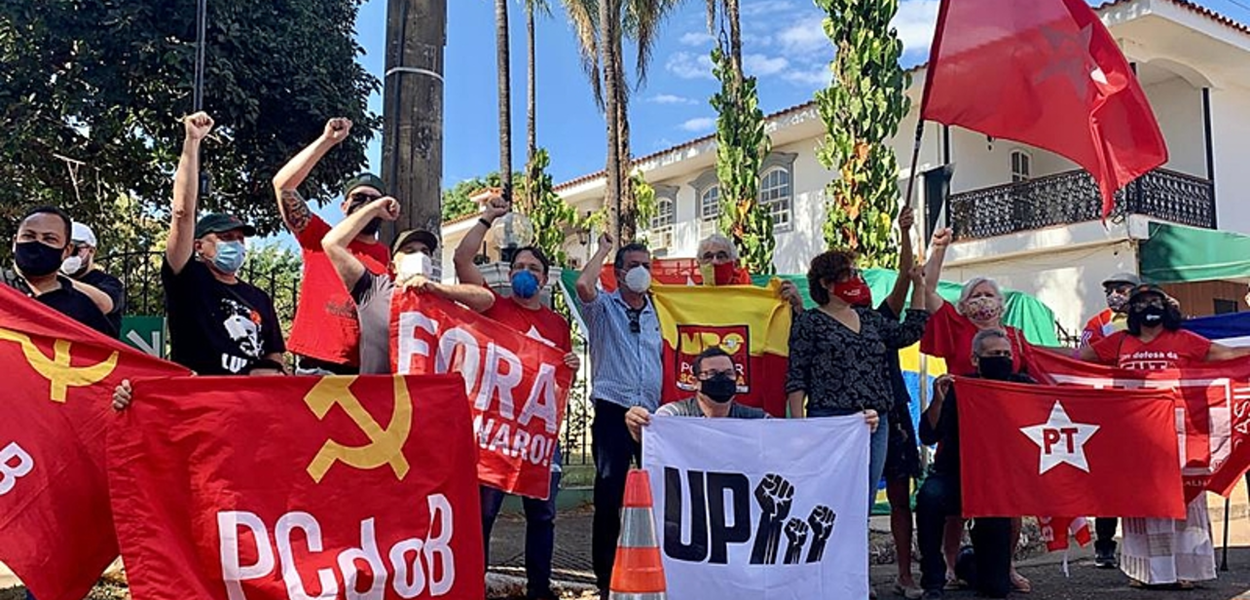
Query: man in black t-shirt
column 218, row 324
column 106, row 291
column 41, row 245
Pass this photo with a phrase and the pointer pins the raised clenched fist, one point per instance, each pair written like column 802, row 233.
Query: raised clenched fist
column 821, row 521
column 198, row 125
column 774, row 494
column 337, row 129
column 796, row 532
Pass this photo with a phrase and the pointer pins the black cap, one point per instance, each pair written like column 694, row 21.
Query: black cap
column 368, row 179
column 420, row 235
column 1123, row 278
column 1147, row 288
column 221, row 223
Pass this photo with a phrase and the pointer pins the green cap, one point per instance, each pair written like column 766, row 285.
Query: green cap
column 429, row 239
column 368, row 179
column 221, row 223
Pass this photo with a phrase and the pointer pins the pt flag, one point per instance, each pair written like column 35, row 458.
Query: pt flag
column 1212, row 412
column 751, row 323
column 1046, row 73
column 56, row 529
column 276, row 488
column 761, row 508
column 517, row 386
column 1064, row 450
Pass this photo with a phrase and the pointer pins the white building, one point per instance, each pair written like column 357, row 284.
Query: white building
column 1023, row 215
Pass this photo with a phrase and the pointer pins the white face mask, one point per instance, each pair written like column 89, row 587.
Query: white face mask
column 411, row 265
column 638, row 280
column 72, row 265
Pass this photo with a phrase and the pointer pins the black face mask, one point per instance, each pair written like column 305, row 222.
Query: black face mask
column 995, row 367
column 720, row 388
column 36, row 259
column 1152, row 315
column 372, row 227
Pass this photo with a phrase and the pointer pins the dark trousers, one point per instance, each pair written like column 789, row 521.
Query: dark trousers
column 938, row 499
column 1104, row 529
column 613, row 449
column 540, row 534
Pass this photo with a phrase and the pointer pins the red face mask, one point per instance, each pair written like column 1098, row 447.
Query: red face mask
column 853, row 291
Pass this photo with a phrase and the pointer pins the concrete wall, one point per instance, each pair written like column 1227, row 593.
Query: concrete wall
column 1230, row 114
column 1178, row 108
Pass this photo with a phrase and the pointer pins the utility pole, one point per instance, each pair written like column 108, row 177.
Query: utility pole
column 412, row 112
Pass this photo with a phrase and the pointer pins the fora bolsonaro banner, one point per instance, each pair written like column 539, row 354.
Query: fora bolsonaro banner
column 750, row 509
column 269, row 488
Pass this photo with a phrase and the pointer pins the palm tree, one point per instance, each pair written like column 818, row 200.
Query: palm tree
column 502, row 57
column 601, row 26
column 531, row 127
column 730, row 8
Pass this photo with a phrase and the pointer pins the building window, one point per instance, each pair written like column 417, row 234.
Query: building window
column 1021, row 166
column 709, row 211
column 661, row 232
column 775, row 196
column 1223, row 307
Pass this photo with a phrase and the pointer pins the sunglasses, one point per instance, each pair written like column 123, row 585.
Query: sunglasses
column 363, row 197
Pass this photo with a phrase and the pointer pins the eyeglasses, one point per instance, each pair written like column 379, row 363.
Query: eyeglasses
column 363, row 197
column 710, row 256
column 1151, row 301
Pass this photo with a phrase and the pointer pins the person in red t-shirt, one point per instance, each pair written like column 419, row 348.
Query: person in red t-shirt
column 1162, row 553
column 326, row 335
column 523, row 311
column 1112, row 319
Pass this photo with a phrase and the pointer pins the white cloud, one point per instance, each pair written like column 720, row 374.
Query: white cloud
column 804, row 37
column 758, row 8
column 763, row 66
column 696, row 38
column 699, row 125
column 671, row 99
column 814, row 77
column 916, row 21
column 690, row 66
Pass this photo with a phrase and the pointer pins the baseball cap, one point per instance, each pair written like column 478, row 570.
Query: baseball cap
column 1147, row 288
column 1128, row 278
column 81, row 233
column 420, row 235
column 221, row 223
column 368, row 179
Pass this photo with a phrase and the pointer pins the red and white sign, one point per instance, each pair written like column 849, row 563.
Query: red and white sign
column 289, row 488
column 1051, row 450
column 517, row 386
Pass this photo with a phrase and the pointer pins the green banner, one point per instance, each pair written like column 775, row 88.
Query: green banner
column 145, row 333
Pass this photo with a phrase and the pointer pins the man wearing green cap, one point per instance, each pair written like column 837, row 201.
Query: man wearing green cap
column 218, row 324
column 325, row 336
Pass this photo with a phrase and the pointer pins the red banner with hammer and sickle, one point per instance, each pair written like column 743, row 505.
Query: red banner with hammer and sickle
column 56, row 530
column 269, row 488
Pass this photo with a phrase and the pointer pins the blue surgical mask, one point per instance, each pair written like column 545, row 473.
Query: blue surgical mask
column 230, row 256
column 524, row 285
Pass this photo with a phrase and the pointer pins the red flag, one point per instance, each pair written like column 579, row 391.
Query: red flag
column 269, row 488
column 1057, row 531
column 1212, row 411
column 1051, row 450
column 517, row 386
column 56, row 530
column 683, row 271
column 1046, row 73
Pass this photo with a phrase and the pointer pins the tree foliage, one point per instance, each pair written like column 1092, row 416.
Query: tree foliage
column 862, row 109
column 551, row 216
column 457, row 201
column 741, row 146
column 104, row 83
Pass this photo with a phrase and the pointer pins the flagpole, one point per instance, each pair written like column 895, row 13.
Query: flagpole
column 1224, row 560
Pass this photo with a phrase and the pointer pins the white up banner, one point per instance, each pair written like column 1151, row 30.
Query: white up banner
column 768, row 508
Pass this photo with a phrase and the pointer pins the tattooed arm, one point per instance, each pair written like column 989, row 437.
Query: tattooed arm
column 294, row 209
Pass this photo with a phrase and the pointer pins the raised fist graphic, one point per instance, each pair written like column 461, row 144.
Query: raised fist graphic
column 821, row 521
column 774, row 495
column 796, row 532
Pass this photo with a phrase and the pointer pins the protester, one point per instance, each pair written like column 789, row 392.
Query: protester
column 902, row 461
column 40, row 247
column 838, row 351
column 325, row 336
column 939, row 497
column 410, row 269
column 1108, row 321
column 523, row 311
column 625, row 351
column 1162, row 553
column 218, row 324
column 718, row 385
column 718, row 264
column 106, row 291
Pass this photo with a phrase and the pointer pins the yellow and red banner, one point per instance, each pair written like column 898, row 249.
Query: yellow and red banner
column 269, row 488
column 684, row 271
column 751, row 323
column 517, row 386
column 56, row 529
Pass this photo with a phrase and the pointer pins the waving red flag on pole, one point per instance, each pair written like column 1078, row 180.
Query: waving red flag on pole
column 1046, row 73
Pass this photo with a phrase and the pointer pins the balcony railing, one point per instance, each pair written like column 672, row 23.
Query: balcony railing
column 1073, row 197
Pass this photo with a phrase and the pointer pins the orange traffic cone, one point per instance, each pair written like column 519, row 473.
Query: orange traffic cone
column 638, row 573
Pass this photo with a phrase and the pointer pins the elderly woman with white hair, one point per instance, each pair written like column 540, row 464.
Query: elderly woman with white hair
column 718, row 264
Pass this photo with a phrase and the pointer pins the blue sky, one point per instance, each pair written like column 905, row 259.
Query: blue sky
column 783, row 43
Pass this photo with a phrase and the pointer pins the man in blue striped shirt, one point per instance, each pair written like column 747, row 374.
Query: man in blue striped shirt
column 625, row 350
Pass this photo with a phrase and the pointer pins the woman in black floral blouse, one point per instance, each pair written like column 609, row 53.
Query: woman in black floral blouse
column 838, row 350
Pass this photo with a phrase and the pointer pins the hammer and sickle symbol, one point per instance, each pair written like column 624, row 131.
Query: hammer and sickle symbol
column 56, row 369
column 386, row 446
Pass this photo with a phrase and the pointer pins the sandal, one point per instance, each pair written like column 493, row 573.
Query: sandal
column 911, row 592
column 1020, row 584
